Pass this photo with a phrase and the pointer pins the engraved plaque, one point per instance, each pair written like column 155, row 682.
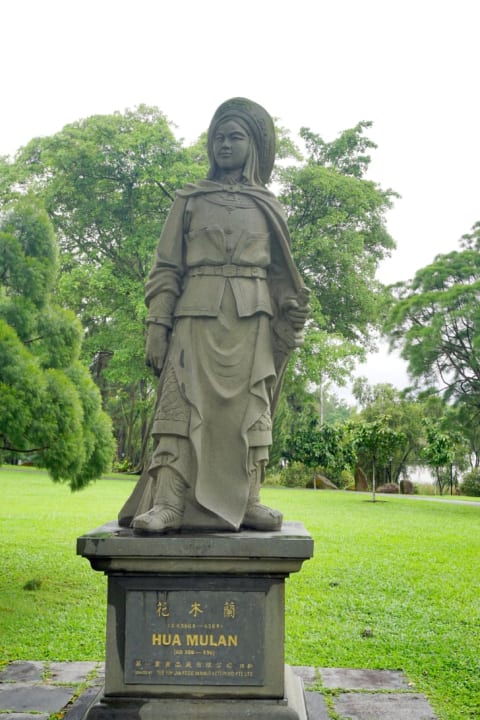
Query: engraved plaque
column 194, row 637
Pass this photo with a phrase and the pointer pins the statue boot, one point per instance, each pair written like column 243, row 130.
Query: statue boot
column 167, row 512
column 258, row 516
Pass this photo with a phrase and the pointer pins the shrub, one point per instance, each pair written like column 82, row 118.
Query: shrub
column 425, row 489
column 296, row 474
column 471, row 484
column 122, row 466
column 273, row 478
column 345, row 479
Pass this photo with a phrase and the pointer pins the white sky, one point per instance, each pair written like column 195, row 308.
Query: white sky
column 410, row 66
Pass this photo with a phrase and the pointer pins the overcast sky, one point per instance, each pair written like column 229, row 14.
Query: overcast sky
column 410, row 66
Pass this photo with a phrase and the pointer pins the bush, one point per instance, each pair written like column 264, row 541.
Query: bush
column 122, row 466
column 425, row 489
column 296, row 474
column 345, row 479
column 273, row 478
column 471, row 484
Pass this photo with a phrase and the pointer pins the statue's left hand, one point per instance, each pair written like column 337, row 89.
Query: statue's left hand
column 297, row 314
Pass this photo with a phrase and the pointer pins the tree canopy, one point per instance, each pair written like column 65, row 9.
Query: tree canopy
column 402, row 414
column 50, row 406
column 339, row 235
column 337, row 223
column 435, row 321
column 376, row 442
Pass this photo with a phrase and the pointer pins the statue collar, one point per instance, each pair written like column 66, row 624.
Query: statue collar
column 210, row 186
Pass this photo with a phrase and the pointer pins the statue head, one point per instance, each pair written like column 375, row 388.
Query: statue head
column 258, row 126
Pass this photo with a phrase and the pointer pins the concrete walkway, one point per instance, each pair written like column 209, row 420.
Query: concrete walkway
column 37, row 690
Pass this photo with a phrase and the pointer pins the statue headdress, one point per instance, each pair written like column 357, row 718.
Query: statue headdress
column 260, row 126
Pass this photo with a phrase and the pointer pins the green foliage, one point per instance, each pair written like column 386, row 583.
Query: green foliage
column 328, row 446
column 296, row 475
column 376, row 439
column 345, row 479
column 443, row 451
column 348, row 154
column 337, row 223
column 326, row 356
column 22, row 392
column 463, row 421
column 471, row 483
column 404, row 415
column 29, row 253
column 49, row 406
column 297, row 430
column 335, row 411
column 285, row 147
column 376, row 442
column 435, row 320
column 439, row 449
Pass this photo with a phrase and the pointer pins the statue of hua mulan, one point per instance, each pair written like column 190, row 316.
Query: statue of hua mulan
column 226, row 307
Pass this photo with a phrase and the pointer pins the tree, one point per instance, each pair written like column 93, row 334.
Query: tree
column 337, row 223
column 435, row 321
column 301, row 413
column 327, row 446
column 471, row 483
column 463, row 423
column 376, row 441
column 49, row 406
column 335, row 410
column 404, row 415
column 439, row 454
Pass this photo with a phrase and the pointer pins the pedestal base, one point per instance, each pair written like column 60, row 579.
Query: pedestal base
column 292, row 707
column 195, row 624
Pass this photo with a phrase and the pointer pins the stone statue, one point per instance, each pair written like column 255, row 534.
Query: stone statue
column 226, row 307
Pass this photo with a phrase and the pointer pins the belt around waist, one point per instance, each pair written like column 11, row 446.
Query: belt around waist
column 229, row 271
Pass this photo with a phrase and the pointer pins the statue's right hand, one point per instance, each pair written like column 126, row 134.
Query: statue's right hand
column 156, row 347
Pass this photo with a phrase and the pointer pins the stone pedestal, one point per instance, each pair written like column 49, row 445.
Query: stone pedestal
column 195, row 623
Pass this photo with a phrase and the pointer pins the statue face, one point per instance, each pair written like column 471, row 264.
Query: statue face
column 231, row 145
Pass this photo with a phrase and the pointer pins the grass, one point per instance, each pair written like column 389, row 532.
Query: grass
column 64, row 618
column 394, row 585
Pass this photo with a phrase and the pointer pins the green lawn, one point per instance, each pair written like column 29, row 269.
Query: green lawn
column 394, row 585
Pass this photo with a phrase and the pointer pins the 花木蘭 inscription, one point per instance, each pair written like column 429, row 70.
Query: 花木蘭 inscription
column 203, row 637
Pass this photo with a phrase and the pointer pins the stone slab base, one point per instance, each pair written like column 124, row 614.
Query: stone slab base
column 291, row 708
